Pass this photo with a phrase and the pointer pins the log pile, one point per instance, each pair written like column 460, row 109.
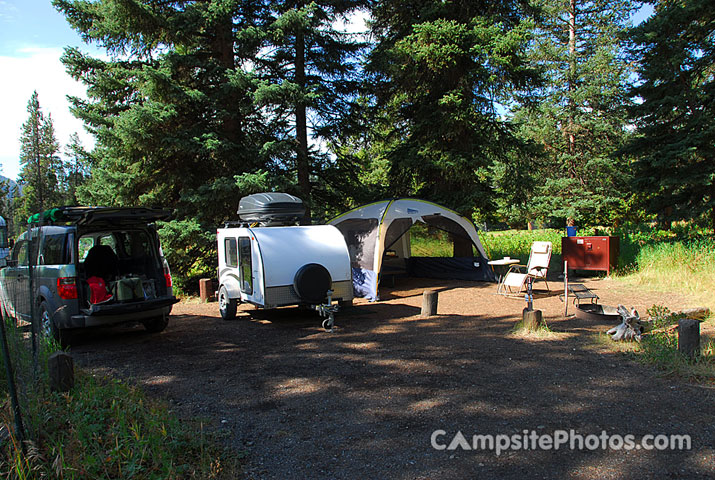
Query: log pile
column 630, row 328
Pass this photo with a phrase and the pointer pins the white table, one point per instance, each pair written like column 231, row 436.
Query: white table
column 504, row 263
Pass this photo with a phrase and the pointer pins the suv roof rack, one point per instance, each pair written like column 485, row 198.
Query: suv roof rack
column 85, row 215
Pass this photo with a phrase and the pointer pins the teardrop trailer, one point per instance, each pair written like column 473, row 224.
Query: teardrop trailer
column 269, row 261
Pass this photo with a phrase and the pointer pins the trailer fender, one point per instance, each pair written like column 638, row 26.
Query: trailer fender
column 233, row 287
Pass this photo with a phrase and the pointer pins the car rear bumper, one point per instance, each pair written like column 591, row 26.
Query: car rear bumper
column 112, row 314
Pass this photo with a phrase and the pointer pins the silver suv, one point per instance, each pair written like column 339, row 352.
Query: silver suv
column 117, row 248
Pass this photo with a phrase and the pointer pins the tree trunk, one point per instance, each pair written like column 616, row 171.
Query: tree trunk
column 462, row 247
column 38, row 163
column 223, row 46
column 571, row 137
column 301, row 126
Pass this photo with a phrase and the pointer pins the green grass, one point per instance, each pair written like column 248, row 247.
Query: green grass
column 510, row 243
column 682, row 266
column 517, row 243
column 659, row 348
column 103, row 428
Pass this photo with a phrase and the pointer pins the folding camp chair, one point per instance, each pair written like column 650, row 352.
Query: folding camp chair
column 514, row 282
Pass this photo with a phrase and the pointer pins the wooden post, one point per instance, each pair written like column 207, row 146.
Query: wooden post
column 689, row 337
column 566, row 288
column 61, row 368
column 205, row 289
column 429, row 303
column 532, row 320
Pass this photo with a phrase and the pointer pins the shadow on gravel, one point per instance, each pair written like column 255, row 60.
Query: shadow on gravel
column 364, row 401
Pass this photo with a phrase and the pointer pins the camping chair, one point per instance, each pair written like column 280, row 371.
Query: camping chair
column 536, row 268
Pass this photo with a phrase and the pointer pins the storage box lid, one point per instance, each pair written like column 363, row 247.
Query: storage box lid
column 273, row 208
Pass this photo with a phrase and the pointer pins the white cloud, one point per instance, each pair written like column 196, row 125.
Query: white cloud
column 36, row 69
column 7, row 11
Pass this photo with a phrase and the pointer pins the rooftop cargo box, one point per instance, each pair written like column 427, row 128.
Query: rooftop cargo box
column 271, row 209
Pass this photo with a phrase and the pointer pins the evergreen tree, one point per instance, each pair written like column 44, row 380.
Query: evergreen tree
column 40, row 175
column 579, row 116
column 307, row 77
column 439, row 71
column 172, row 111
column 77, row 168
column 675, row 112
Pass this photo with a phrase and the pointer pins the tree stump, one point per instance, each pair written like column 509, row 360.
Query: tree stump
column 205, row 289
column 429, row 303
column 689, row 337
column 532, row 320
column 61, row 369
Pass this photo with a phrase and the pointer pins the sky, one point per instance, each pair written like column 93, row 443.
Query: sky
column 33, row 36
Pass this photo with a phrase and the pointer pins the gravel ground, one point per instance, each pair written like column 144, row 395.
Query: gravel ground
column 364, row 401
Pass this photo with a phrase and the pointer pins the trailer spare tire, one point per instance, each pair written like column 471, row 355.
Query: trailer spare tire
column 312, row 282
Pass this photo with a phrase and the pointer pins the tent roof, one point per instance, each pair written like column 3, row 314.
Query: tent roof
column 387, row 210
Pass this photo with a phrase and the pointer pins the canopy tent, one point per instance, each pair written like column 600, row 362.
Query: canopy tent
column 377, row 229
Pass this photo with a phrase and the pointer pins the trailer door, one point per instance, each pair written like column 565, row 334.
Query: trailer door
column 244, row 249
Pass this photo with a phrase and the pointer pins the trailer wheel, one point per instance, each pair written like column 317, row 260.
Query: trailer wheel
column 312, row 283
column 226, row 305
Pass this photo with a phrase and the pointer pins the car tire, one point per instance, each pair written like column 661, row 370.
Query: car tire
column 156, row 324
column 50, row 330
column 227, row 306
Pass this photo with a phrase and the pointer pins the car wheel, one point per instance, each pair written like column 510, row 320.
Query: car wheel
column 50, row 330
column 226, row 305
column 156, row 324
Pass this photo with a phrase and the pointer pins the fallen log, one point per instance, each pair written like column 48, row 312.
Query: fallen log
column 630, row 327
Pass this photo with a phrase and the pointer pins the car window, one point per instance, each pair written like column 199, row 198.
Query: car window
column 134, row 243
column 53, row 250
column 19, row 252
column 108, row 240
column 3, row 237
column 84, row 244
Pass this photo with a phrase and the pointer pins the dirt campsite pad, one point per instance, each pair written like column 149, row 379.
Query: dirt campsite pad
column 366, row 400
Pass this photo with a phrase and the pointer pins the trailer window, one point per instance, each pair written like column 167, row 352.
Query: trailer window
column 244, row 244
column 230, row 252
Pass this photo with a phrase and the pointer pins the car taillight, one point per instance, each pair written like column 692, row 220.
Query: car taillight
column 67, row 288
column 167, row 277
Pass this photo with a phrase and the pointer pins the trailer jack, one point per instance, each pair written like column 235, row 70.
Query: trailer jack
column 327, row 311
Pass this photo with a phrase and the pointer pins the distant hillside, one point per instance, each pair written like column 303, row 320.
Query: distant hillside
column 13, row 185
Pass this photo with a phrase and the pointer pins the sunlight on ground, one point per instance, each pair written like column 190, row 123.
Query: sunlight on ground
column 298, row 386
column 540, row 335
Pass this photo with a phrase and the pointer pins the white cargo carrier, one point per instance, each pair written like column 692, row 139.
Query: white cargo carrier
column 275, row 266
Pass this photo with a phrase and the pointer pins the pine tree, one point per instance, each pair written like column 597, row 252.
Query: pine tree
column 172, row 110
column 579, row 115
column 675, row 114
column 438, row 71
column 40, row 161
column 307, row 76
column 77, row 168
